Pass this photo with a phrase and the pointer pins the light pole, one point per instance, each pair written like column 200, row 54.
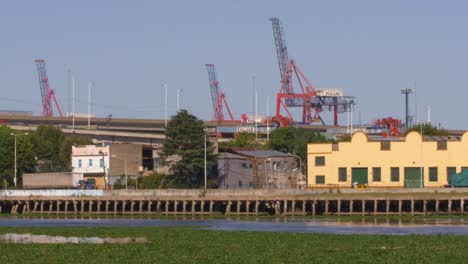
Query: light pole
column 406, row 92
column 16, row 169
column 421, row 170
column 205, row 130
column 266, row 172
column 300, row 165
column 126, row 175
column 106, row 180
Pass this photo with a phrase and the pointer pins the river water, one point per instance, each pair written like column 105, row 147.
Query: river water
column 297, row 225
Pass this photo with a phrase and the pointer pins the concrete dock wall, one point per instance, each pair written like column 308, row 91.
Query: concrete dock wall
column 235, row 202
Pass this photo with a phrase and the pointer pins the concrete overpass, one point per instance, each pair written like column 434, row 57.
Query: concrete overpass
column 108, row 136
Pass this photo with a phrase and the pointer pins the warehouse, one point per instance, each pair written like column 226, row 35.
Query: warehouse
column 409, row 162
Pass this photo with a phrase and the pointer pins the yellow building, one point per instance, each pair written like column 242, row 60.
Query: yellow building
column 387, row 163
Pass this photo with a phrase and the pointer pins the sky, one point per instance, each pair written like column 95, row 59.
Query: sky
column 129, row 49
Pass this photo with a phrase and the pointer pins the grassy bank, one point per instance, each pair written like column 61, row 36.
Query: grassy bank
column 190, row 245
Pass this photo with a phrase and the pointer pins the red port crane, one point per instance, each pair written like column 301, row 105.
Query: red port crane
column 312, row 103
column 47, row 93
column 217, row 96
column 289, row 72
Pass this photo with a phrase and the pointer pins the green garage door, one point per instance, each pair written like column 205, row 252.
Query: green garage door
column 413, row 178
column 359, row 176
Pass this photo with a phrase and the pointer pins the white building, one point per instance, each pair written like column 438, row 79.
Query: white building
column 93, row 162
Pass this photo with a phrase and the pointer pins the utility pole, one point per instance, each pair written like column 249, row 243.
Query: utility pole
column 15, row 179
column 73, row 104
column 267, row 117
column 165, row 105
column 205, row 130
column 255, row 107
column 89, row 105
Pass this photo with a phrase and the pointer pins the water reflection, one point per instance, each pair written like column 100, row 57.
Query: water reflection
column 332, row 225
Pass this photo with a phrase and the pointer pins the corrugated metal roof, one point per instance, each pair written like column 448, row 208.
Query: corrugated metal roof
column 264, row 153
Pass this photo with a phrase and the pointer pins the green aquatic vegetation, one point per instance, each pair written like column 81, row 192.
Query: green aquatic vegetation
column 192, row 245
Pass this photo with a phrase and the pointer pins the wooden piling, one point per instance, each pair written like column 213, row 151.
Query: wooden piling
column 149, row 206
column 99, row 207
column 338, row 207
column 115, row 207
column 412, row 206
column 228, row 208
column 107, row 207
column 462, row 205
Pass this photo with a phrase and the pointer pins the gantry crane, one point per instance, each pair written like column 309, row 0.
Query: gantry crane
column 312, row 103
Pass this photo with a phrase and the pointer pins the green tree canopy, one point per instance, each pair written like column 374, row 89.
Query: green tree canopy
column 242, row 140
column 24, row 155
column 185, row 138
column 294, row 140
column 53, row 149
column 427, row 129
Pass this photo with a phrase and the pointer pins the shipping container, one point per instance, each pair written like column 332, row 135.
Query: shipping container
column 57, row 180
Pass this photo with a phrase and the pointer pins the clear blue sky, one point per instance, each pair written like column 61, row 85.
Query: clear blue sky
column 371, row 49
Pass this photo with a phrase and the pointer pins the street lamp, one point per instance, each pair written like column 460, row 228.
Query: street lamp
column 16, row 169
column 300, row 164
column 125, row 164
column 106, row 180
column 421, row 155
column 266, row 172
column 205, row 130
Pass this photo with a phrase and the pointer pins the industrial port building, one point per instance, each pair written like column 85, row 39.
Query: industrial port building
column 409, row 162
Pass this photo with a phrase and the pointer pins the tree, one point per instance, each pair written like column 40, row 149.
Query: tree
column 294, row 140
column 282, row 139
column 427, row 129
column 242, row 140
column 185, row 138
column 24, row 156
column 53, row 149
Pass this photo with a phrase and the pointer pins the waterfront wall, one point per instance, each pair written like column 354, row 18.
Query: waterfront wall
column 259, row 193
column 234, row 202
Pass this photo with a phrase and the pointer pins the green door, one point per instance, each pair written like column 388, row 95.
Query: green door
column 413, row 178
column 359, row 176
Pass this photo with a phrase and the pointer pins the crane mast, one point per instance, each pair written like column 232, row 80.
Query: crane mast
column 281, row 51
column 47, row 93
column 217, row 96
